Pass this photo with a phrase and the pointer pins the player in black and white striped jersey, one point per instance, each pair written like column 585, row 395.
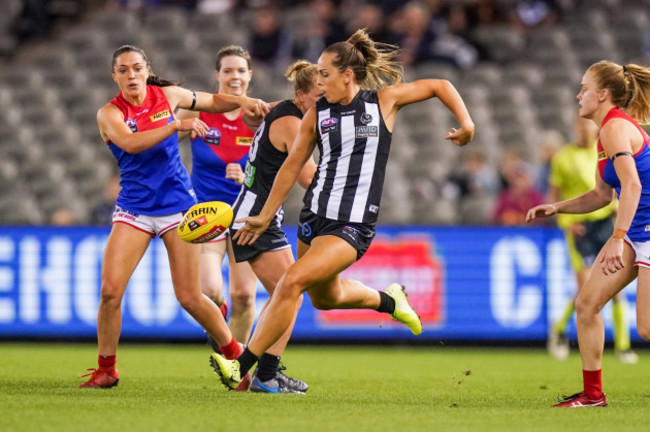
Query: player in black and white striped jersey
column 352, row 127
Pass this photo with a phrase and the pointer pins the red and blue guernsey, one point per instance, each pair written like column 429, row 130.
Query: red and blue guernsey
column 640, row 228
column 154, row 182
column 226, row 142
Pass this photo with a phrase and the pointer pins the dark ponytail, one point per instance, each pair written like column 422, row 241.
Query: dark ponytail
column 153, row 79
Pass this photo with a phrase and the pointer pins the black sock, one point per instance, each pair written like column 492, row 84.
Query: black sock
column 246, row 361
column 386, row 303
column 268, row 367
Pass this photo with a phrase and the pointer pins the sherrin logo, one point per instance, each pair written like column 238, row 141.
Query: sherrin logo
column 159, row 116
column 195, row 223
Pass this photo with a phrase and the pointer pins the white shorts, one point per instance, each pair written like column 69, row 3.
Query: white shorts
column 642, row 251
column 152, row 225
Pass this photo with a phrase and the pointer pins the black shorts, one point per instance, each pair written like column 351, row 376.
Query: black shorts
column 597, row 233
column 272, row 239
column 359, row 235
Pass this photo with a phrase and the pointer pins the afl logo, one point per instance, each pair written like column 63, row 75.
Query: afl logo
column 329, row 125
column 132, row 125
column 365, row 118
column 213, row 136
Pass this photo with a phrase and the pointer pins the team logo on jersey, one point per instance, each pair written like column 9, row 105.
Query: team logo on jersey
column 602, row 156
column 213, row 136
column 373, row 208
column 244, row 141
column 367, row 131
column 365, row 118
column 132, row 124
column 159, row 116
column 329, row 125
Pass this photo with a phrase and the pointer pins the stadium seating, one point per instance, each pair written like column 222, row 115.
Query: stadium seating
column 52, row 152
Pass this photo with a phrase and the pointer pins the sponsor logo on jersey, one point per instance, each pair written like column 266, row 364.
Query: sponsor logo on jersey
column 159, row 116
column 602, row 156
column 367, row 131
column 213, row 136
column 249, row 174
column 329, row 125
column 365, row 118
column 373, row 208
column 132, row 124
column 244, row 141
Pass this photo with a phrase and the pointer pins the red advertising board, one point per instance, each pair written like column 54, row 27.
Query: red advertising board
column 410, row 262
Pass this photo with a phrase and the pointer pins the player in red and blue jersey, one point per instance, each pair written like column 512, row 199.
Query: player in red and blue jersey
column 218, row 161
column 617, row 98
column 139, row 127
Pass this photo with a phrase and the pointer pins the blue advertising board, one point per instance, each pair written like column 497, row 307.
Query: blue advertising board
column 485, row 284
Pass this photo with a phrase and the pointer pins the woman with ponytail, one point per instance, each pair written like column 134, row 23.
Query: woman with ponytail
column 139, row 127
column 617, row 99
column 352, row 125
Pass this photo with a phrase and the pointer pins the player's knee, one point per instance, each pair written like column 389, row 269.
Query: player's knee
column 586, row 306
column 242, row 300
column 111, row 293
column 188, row 300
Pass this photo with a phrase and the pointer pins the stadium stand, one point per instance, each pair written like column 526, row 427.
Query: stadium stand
column 51, row 89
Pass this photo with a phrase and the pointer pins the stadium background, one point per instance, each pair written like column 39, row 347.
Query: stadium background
column 517, row 64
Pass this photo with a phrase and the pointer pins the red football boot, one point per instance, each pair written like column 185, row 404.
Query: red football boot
column 580, row 400
column 101, row 379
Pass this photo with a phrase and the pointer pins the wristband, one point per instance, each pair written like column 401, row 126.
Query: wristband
column 619, row 233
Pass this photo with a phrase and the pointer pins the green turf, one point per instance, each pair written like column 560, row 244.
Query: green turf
column 172, row 388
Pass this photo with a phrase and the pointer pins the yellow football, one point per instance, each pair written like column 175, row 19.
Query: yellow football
column 205, row 221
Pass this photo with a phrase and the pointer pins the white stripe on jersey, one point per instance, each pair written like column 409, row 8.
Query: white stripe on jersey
column 367, row 167
column 244, row 209
column 342, row 167
column 325, row 157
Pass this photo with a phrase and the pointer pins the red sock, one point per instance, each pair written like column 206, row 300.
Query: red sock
column 232, row 350
column 106, row 362
column 593, row 383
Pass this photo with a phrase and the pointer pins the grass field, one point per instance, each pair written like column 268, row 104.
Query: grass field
column 172, row 388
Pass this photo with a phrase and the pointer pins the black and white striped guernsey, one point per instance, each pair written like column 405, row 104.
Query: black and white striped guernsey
column 264, row 162
column 354, row 144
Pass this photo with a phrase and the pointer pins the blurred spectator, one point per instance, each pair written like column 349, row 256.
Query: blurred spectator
column 322, row 30
column 550, row 143
column 269, row 43
column 532, row 14
column 371, row 17
column 148, row 4
column 34, row 20
column 214, row 6
column 485, row 12
column 518, row 197
column 63, row 217
column 413, row 32
column 475, row 178
column 102, row 214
